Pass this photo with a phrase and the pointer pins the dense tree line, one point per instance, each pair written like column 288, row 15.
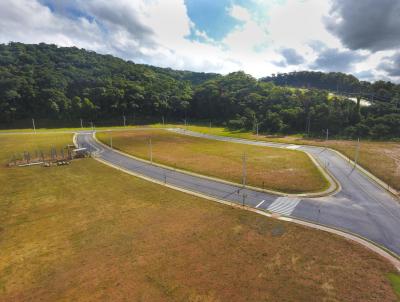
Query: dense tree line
column 337, row 82
column 46, row 81
column 62, row 83
column 245, row 103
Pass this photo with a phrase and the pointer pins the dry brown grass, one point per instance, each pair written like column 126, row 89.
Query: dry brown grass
column 380, row 158
column 87, row 232
column 272, row 168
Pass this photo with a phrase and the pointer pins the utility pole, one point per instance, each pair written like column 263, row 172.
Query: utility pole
column 34, row 127
column 357, row 153
column 91, row 123
column 163, row 121
column 124, row 118
column 327, row 134
column 255, row 123
column 151, row 151
column 244, row 170
column 81, row 124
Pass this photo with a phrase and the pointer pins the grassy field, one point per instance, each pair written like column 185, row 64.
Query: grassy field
column 271, row 168
column 86, row 232
column 47, row 130
column 380, row 158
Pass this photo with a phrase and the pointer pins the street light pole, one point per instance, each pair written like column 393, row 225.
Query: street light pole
column 34, row 127
column 244, row 170
column 124, row 120
column 151, row 151
column 357, row 153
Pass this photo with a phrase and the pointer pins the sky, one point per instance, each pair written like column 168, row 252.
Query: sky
column 260, row 37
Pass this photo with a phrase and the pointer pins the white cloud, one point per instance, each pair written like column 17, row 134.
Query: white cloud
column 30, row 22
column 296, row 23
column 244, row 39
column 155, row 32
column 240, row 13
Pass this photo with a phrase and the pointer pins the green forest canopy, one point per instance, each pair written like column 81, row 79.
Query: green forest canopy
column 46, row 81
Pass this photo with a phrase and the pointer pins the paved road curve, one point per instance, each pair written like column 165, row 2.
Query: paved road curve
column 361, row 207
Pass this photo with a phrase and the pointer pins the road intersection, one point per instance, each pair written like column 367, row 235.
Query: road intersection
column 361, row 206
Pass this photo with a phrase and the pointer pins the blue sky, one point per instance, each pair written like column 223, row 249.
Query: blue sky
column 211, row 17
column 260, row 37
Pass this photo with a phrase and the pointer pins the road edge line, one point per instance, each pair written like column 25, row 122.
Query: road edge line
column 371, row 176
column 394, row 260
column 374, row 178
column 366, row 243
column 327, row 192
column 334, row 184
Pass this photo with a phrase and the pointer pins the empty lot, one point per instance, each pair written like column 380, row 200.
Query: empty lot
column 88, row 232
column 380, row 158
column 271, row 168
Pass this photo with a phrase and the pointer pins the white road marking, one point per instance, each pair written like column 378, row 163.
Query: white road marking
column 284, row 205
column 293, row 147
column 260, row 203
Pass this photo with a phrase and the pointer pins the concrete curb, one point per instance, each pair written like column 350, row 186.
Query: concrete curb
column 334, row 186
column 377, row 180
column 374, row 178
column 392, row 258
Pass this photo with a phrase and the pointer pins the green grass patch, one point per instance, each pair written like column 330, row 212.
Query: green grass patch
column 39, row 130
column 395, row 281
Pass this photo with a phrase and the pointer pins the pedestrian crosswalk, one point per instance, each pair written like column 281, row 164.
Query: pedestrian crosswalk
column 262, row 201
column 284, row 205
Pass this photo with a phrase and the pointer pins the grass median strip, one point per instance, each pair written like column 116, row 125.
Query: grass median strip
column 270, row 168
column 87, row 232
column 380, row 158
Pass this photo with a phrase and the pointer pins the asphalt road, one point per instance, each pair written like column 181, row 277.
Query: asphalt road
column 361, row 206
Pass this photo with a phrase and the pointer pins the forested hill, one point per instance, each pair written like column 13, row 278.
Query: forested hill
column 59, row 82
column 336, row 82
column 68, row 84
